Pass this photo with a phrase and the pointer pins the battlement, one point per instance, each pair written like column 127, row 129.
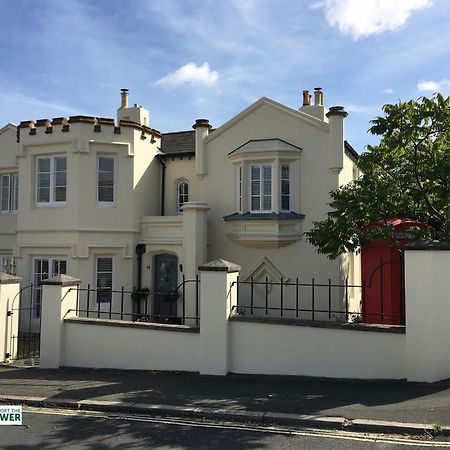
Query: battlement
column 63, row 124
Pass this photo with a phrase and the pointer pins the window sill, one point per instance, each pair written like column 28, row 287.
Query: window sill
column 51, row 205
column 265, row 229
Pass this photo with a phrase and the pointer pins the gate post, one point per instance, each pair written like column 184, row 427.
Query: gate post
column 218, row 294
column 9, row 321
column 59, row 301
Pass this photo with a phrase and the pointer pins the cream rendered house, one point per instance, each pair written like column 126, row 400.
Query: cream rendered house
column 81, row 196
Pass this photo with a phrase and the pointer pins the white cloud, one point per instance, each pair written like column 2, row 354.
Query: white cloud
column 363, row 18
column 192, row 74
column 388, row 91
column 433, row 86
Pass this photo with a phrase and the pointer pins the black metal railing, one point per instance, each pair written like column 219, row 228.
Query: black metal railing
column 309, row 301
column 24, row 344
column 141, row 305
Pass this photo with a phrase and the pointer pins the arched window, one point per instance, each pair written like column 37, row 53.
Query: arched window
column 183, row 194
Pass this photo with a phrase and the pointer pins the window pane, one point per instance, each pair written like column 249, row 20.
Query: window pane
column 285, row 188
column 105, row 179
column 44, row 165
column 60, row 164
column 44, row 195
column 60, row 179
column 5, row 193
column 104, row 279
column 255, row 171
column 14, row 192
column 267, row 203
column 183, row 193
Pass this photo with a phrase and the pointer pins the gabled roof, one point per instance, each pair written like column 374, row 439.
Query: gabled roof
column 8, row 126
column 271, row 103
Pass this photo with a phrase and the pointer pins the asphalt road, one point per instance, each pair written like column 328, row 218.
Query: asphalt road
column 45, row 429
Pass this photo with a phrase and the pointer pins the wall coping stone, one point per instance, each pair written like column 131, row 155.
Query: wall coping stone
column 61, row 280
column 130, row 324
column 6, row 278
column 427, row 244
column 400, row 329
column 220, row 265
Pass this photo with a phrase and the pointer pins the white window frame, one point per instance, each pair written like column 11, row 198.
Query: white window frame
column 261, row 209
column 290, row 168
column 52, row 201
column 113, row 157
column 13, row 192
column 239, row 188
column 113, row 265
column 180, row 204
column 36, row 286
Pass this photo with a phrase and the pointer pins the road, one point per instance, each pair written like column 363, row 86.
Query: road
column 46, row 429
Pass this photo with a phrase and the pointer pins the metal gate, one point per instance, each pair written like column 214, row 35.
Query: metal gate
column 24, row 327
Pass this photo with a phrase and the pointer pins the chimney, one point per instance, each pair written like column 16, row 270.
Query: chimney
column 317, row 110
column 318, row 96
column 336, row 116
column 201, row 128
column 134, row 113
column 124, row 98
column 306, row 98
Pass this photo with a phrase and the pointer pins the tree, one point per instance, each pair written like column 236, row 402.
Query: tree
column 406, row 175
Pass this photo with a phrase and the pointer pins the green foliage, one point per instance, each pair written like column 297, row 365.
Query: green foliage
column 406, row 175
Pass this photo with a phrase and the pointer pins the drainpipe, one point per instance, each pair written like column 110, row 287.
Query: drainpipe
column 163, row 181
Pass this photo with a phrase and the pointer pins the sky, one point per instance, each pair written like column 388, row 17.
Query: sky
column 185, row 59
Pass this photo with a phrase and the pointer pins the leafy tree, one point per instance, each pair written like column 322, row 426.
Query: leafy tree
column 406, row 175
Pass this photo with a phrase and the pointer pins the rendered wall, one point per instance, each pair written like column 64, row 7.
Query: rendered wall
column 101, row 346
column 261, row 348
column 427, row 295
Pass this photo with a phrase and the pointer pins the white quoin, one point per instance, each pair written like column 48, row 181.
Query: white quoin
column 218, row 295
column 336, row 116
column 201, row 128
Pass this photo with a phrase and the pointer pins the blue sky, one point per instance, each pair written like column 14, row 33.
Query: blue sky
column 186, row 59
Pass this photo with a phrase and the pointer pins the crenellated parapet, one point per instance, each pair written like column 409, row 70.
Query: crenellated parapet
column 62, row 124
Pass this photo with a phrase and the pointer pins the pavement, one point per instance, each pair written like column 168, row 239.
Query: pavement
column 354, row 405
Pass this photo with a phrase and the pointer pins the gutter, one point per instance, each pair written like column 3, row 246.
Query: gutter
column 163, row 182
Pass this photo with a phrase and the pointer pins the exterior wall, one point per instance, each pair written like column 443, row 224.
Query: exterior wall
column 313, row 180
column 427, row 314
column 81, row 229
column 8, row 164
column 101, row 346
column 257, row 348
column 177, row 170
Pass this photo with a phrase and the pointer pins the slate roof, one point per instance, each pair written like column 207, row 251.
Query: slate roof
column 178, row 142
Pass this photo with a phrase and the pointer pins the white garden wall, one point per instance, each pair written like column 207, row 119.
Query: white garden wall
column 274, row 349
column 137, row 346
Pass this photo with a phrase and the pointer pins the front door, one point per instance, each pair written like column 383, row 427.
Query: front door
column 166, row 269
